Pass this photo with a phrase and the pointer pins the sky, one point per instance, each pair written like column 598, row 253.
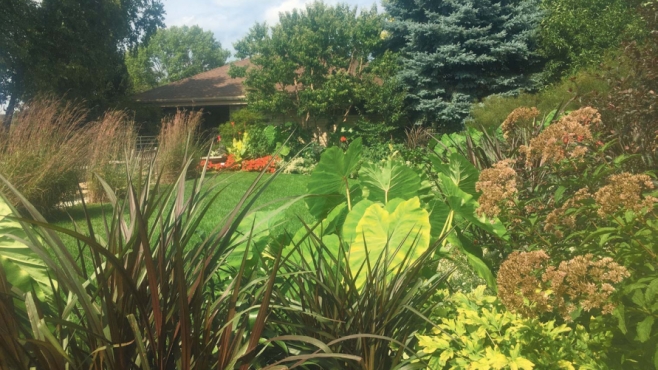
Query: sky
column 230, row 20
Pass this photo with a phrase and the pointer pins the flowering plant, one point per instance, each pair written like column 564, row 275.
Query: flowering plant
column 259, row 164
column 562, row 190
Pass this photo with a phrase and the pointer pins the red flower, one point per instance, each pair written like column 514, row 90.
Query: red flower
column 343, row 139
column 219, row 138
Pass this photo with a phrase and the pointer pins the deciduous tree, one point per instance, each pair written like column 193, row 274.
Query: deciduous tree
column 71, row 48
column 173, row 54
column 314, row 64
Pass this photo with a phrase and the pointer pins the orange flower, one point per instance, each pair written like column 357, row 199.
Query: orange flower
column 343, row 139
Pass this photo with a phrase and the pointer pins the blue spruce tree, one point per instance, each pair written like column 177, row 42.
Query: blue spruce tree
column 455, row 52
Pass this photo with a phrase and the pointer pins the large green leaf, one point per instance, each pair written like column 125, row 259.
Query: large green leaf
column 389, row 180
column 383, row 229
column 466, row 207
column 460, row 172
column 353, row 218
column 439, row 217
column 24, row 269
column 329, row 226
column 474, row 257
column 328, row 184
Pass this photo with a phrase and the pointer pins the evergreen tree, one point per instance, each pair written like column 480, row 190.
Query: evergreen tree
column 457, row 51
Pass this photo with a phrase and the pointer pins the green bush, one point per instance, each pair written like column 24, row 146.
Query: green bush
column 492, row 111
column 476, row 331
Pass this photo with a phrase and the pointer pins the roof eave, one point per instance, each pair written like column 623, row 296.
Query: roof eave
column 194, row 102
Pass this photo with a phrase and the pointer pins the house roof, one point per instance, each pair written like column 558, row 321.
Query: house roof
column 214, row 87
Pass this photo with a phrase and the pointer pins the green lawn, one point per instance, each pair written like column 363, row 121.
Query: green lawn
column 232, row 187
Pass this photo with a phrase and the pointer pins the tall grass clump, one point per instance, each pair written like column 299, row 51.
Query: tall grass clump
column 113, row 143
column 176, row 142
column 154, row 294
column 45, row 152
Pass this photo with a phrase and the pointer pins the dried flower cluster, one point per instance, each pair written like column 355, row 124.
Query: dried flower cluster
column 624, row 192
column 585, row 283
column 527, row 285
column 498, row 186
column 519, row 278
column 518, row 116
column 558, row 216
column 563, row 139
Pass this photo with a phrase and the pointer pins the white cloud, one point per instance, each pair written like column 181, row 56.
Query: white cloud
column 231, row 20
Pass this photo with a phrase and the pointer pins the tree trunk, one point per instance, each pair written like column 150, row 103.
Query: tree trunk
column 9, row 114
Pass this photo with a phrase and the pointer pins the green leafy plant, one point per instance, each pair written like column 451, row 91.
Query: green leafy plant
column 146, row 290
column 476, row 331
column 564, row 190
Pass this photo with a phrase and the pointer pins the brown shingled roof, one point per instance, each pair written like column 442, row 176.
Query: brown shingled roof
column 213, row 87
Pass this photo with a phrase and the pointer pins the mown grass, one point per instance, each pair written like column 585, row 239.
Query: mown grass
column 231, row 185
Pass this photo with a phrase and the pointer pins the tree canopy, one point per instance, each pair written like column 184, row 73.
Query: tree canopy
column 71, row 48
column 315, row 63
column 457, row 51
column 173, row 54
column 576, row 33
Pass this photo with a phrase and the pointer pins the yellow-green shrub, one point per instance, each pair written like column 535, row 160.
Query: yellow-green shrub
column 477, row 332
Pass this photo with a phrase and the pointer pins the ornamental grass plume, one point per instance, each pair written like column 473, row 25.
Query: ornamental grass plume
column 113, row 144
column 176, row 142
column 498, row 186
column 564, row 139
column 624, row 192
column 529, row 286
column 45, row 152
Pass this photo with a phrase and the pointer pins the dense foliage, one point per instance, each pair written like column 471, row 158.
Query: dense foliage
column 173, row 54
column 455, row 52
column 298, row 71
column 577, row 33
column 71, row 48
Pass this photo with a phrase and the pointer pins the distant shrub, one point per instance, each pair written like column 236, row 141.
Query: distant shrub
column 177, row 141
column 492, row 111
column 45, row 152
column 113, row 143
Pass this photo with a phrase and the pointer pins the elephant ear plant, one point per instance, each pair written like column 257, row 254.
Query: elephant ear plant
column 367, row 270
column 143, row 292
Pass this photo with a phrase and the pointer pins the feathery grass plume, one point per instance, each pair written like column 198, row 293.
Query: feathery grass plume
column 45, row 152
column 112, row 145
column 177, row 141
